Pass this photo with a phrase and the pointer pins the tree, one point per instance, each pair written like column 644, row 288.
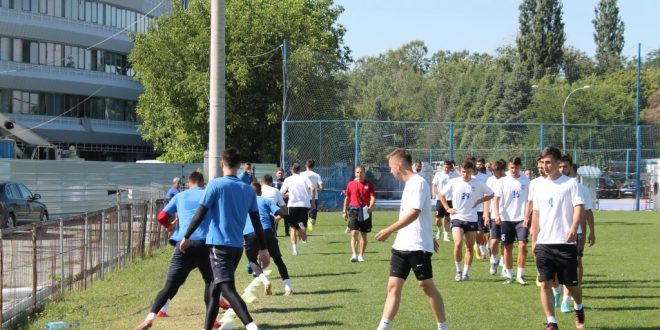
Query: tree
column 652, row 60
column 541, row 36
column 608, row 35
column 172, row 63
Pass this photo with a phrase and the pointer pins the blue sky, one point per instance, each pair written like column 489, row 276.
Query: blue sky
column 374, row 26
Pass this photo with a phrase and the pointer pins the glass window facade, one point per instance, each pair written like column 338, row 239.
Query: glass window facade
column 54, row 54
column 51, row 104
column 84, row 10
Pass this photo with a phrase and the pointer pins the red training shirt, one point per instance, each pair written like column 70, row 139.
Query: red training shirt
column 359, row 193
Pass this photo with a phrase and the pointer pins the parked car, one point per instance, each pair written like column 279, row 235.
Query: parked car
column 18, row 205
column 630, row 186
column 607, row 188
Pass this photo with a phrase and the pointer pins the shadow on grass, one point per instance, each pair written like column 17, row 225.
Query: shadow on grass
column 317, row 324
column 326, row 274
column 627, row 308
column 340, row 253
column 620, row 284
column 626, row 328
column 347, row 290
column 622, row 297
column 619, row 223
column 294, row 309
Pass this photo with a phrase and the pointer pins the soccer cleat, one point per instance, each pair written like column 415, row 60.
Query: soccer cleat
column 552, row 326
column 248, row 268
column 483, row 257
column 579, row 319
column 521, row 281
column 288, row 291
column 354, row 258
column 508, row 280
column 360, row 259
column 161, row 314
column 217, row 325
column 268, row 289
column 146, row 324
column 477, row 253
column 465, row 277
column 565, row 307
column 493, row 269
column 224, row 304
column 557, row 299
column 458, row 277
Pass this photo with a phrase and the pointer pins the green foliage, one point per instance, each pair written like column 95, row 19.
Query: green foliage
column 172, row 63
column 608, row 35
column 540, row 39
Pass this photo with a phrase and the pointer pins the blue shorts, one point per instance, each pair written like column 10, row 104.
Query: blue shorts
column 467, row 226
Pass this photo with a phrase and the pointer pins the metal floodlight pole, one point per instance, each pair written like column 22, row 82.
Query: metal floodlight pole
column 563, row 116
column 217, row 88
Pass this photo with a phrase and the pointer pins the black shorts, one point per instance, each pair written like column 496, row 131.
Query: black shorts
column 440, row 211
column 512, row 231
column 480, row 222
column 297, row 217
column 313, row 210
column 251, row 247
column 495, row 230
column 224, row 260
column 557, row 259
column 467, row 226
column 419, row 261
column 196, row 256
column 355, row 221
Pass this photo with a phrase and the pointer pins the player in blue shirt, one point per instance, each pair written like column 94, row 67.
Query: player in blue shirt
column 266, row 208
column 228, row 201
column 176, row 185
column 247, row 176
column 184, row 204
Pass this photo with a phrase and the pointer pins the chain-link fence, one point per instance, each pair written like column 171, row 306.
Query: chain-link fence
column 337, row 146
column 46, row 260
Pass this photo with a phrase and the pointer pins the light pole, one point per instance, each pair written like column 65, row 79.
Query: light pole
column 563, row 116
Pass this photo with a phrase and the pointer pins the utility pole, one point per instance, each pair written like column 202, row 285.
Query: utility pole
column 217, row 89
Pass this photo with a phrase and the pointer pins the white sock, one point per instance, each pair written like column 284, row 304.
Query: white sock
column 482, row 248
column 493, row 259
column 557, row 290
column 520, row 272
column 264, row 279
column 251, row 326
column 466, row 269
column 442, row 326
column 295, row 247
column 150, row 316
column 287, row 283
column 577, row 306
column 458, row 266
column 166, row 307
column 552, row 319
column 384, row 324
column 566, row 299
column 502, row 261
column 507, row 273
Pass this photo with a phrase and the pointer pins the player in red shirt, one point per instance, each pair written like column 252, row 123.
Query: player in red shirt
column 360, row 193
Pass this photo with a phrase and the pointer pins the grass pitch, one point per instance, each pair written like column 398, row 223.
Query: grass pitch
column 621, row 287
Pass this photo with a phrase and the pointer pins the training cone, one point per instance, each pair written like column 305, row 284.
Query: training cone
column 230, row 321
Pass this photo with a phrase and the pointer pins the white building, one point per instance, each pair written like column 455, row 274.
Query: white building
column 64, row 72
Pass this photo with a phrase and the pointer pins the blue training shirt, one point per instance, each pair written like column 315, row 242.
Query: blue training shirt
column 186, row 204
column 246, row 177
column 171, row 193
column 229, row 201
column 266, row 208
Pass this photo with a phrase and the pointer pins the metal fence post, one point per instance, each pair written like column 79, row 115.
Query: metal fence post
column 451, row 141
column 102, row 243
column 130, row 232
column 356, row 159
column 84, row 249
column 119, row 258
column 2, row 279
column 34, row 267
column 61, row 256
column 541, row 136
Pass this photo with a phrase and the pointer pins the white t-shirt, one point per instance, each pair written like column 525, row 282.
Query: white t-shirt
column 532, row 187
column 441, row 179
column 464, row 195
column 273, row 194
column 493, row 183
column 298, row 187
column 513, row 194
column 418, row 235
column 584, row 192
column 483, row 177
column 555, row 202
column 315, row 178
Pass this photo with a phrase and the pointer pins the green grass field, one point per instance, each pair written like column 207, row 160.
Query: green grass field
column 621, row 287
